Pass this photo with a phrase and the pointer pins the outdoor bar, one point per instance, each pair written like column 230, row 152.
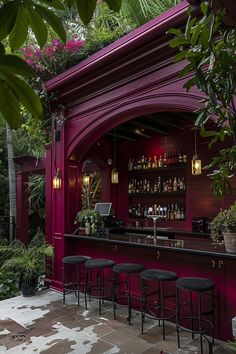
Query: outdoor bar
column 127, row 142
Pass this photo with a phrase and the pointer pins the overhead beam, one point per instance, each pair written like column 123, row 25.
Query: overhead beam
column 148, row 127
column 125, row 137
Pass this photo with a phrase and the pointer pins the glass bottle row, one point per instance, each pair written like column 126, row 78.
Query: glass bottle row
column 167, row 212
column 146, row 163
column 160, row 185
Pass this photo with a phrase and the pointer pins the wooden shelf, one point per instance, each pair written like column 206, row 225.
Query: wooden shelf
column 162, row 194
column 159, row 169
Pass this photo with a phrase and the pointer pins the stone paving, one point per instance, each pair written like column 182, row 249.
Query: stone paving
column 42, row 324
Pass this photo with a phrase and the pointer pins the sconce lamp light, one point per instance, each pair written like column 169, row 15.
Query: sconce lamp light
column 114, row 172
column 57, row 180
column 114, row 176
column 86, row 180
column 196, row 161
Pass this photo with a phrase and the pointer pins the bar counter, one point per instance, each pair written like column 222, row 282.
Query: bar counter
column 184, row 245
column 184, row 254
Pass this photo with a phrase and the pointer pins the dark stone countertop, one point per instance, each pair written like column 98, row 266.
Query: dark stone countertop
column 201, row 247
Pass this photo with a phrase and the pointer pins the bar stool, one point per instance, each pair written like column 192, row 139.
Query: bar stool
column 128, row 269
column 74, row 284
column 96, row 286
column 157, row 309
column 197, row 287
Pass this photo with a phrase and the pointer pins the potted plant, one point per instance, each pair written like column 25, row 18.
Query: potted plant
column 28, row 261
column 91, row 220
column 225, row 224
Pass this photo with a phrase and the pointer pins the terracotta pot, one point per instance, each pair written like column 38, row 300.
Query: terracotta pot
column 230, row 241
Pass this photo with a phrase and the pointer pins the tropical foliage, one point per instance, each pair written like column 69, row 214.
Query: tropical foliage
column 19, row 18
column 209, row 48
column 27, row 261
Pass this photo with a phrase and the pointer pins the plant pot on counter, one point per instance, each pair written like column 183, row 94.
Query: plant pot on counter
column 230, row 241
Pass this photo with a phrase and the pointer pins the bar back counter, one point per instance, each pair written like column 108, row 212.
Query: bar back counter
column 184, row 252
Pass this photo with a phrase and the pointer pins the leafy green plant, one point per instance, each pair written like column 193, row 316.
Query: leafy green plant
column 27, row 261
column 9, row 284
column 231, row 346
column 225, row 220
column 92, row 217
column 209, row 48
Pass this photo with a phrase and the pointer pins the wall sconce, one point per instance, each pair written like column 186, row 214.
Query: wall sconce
column 114, row 176
column 114, row 172
column 86, row 180
column 196, row 161
column 57, row 180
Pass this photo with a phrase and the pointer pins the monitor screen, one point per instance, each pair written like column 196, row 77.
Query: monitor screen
column 103, row 208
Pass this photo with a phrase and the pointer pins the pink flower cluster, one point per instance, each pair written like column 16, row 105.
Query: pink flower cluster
column 33, row 55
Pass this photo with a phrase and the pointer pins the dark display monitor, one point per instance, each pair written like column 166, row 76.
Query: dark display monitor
column 103, row 209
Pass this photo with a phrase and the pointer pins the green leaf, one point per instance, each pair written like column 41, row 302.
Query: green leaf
column 114, row 4
column 13, row 64
column 9, row 105
column 38, row 26
column 56, row 4
column 196, row 34
column 25, row 95
column 176, row 42
column 180, row 56
column 86, row 9
column 52, row 20
column 8, row 14
column 19, row 32
column 175, row 31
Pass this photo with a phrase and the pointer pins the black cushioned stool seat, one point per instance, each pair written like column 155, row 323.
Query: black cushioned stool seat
column 198, row 315
column 153, row 304
column 74, row 282
column 128, row 269
column 97, row 285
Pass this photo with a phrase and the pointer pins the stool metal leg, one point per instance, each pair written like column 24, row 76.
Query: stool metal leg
column 162, row 309
column 64, row 283
column 143, row 284
column 177, row 316
column 191, row 313
column 86, row 288
column 78, row 286
column 100, row 290
column 200, row 319
column 129, row 298
column 114, row 281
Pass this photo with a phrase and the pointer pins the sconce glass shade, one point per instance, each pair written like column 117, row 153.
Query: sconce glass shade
column 86, row 180
column 114, row 176
column 57, row 180
column 196, row 165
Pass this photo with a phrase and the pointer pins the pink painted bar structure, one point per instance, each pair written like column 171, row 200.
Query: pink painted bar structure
column 132, row 77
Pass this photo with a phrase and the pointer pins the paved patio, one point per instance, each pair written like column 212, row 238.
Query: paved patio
column 41, row 324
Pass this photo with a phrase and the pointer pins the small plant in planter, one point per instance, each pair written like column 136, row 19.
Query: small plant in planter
column 225, row 224
column 91, row 220
column 28, row 261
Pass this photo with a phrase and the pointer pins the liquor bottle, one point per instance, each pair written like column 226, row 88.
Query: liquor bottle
column 145, row 211
column 148, row 187
column 175, row 185
column 185, row 156
column 168, row 212
column 154, row 163
column 149, row 163
column 182, row 214
column 182, row 184
column 165, row 160
column 170, row 186
column 180, row 157
column 159, row 187
column 172, row 214
column 130, row 165
column 160, row 161
column 142, row 161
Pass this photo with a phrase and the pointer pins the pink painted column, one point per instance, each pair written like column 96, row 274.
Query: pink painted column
column 22, row 207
